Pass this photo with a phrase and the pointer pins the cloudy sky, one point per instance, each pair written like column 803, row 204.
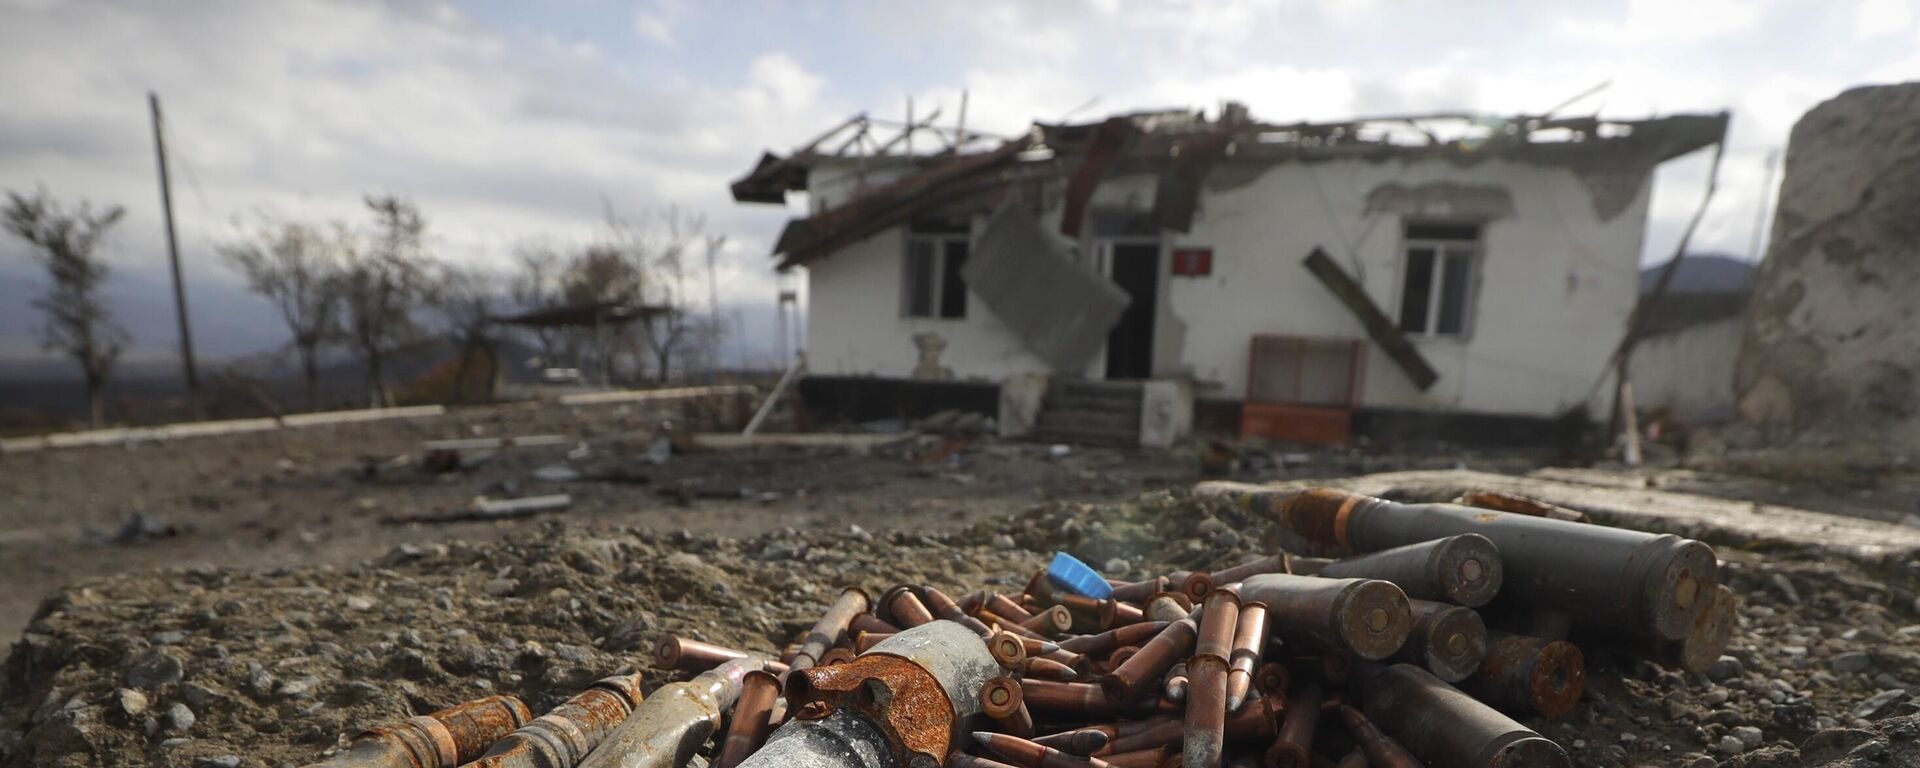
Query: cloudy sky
column 510, row 121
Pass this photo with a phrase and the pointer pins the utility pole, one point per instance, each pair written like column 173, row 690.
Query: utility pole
column 173, row 258
column 1760, row 215
column 715, row 336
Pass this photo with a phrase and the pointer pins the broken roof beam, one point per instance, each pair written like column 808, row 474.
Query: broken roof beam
column 1379, row 327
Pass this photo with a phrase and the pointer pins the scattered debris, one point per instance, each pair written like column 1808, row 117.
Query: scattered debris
column 484, row 508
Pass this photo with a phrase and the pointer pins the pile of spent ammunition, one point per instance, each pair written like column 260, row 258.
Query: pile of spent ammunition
column 1380, row 656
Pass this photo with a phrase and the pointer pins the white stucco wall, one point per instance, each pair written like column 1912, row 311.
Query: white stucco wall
column 1553, row 291
column 855, row 327
column 1690, row 371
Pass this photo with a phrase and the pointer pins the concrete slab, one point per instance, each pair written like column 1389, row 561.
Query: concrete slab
column 1611, row 500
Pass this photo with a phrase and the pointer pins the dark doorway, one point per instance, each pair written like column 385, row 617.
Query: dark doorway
column 1136, row 269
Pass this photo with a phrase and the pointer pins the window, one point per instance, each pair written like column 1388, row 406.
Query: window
column 933, row 286
column 1436, row 294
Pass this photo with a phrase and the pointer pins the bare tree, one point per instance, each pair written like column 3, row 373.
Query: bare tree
column 605, row 276
column 468, row 300
column 297, row 267
column 536, row 285
column 78, row 323
column 383, row 282
column 662, row 251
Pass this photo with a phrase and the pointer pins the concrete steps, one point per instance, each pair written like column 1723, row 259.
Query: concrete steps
column 1085, row 412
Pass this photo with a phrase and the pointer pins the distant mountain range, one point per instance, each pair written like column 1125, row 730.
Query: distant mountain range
column 1703, row 273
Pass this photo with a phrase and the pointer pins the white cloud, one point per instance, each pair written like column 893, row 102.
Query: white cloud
column 1663, row 21
column 1881, row 18
column 652, row 28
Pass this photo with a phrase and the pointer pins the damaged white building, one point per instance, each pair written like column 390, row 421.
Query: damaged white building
column 1432, row 275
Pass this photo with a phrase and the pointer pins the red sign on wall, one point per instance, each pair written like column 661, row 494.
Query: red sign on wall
column 1193, row 262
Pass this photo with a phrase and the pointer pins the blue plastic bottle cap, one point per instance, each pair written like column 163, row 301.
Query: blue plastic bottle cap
column 1068, row 573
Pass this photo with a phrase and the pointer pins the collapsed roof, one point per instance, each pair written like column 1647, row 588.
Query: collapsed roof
column 1183, row 148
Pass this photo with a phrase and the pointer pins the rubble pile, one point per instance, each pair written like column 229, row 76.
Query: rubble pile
column 210, row 667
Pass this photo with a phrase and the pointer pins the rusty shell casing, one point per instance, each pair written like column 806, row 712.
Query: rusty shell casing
column 1463, row 569
column 1274, row 563
column 1656, row 584
column 1039, row 588
column 666, row 728
column 562, row 737
column 1128, row 681
column 752, row 719
column 1194, row 584
column 1092, row 740
column 964, row 760
column 1519, row 505
column 1144, row 758
column 1139, row 591
column 900, row 607
column 1052, row 621
column 1271, row 678
column 1709, row 637
column 1523, row 674
column 1068, row 700
column 1048, row 669
column 1177, row 681
column 1249, row 639
column 904, row 699
column 1006, row 608
column 1219, row 619
column 442, row 739
column 971, row 601
column 1104, row 642
column 867, row 622
column 1119, row 657
column 1127, row 613
column 831, row 629
column 1381, row 750
column 945, row 608
column 1364, row 617
column 1154, row 733
column 1089, row 614
column 864, row 641
column 838, row 654
column 1007, row 650
column 1450, row 641
column 689, row 655
column 1203, row 741
column 997, row 622
column 1204, row 737
column 1293, row 745
column 1022, row 752
column 1259, row 719
column 1168, row 607
column 1002, row 701
column 1445, row 727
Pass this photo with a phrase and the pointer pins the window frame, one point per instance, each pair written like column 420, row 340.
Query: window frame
column 938, row 242
column 1444, row 249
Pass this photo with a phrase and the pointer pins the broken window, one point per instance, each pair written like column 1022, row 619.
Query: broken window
column 1437, row 290
column 932, row 284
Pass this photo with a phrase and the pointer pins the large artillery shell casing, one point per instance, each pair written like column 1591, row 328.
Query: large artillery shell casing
column 1364, row 617
column 1450, row 641
column 1655, row 584
column 1525, row 674
column 1463, row 569
column 1445, row 727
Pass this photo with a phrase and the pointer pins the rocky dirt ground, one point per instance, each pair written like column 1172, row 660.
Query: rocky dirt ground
column 284, row 611
column 209, row 666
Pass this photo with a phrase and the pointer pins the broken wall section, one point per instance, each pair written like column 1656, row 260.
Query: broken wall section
column 1832, row 344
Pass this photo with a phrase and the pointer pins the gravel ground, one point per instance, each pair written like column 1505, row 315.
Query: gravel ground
column 208, row 666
